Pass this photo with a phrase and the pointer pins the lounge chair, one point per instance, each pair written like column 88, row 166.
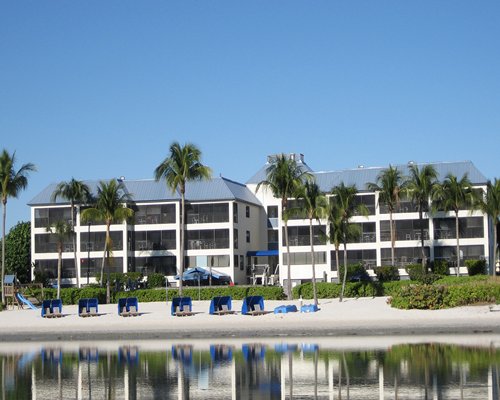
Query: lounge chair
column 253, row 305
column 52, row 308
column 221, row 305
column 128, row 307
column 182, row 306
column 88, row 307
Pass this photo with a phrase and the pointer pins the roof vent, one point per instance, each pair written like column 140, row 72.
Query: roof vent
column 411, row 162
column 361, row 166
column 121, row 179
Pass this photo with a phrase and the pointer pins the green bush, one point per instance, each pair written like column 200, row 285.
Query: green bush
column 461, row 280
column 156, row 281
column 421, row 297
column 119, row 279
column 445, row 296
column 356, row 271
column 440, row 267
column 415, row 272
column 387, row 273
column 476, row 267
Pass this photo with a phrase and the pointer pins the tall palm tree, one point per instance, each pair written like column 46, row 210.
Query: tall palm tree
column 490, row 205
column 110, row 207
column 76, row 192
column 63, row 231
column 312, row 207
column 454, row 195
column 344, row 201
column 284, row 176
column 389, row 184
column 11, row 183
column 182, row 165
column 420, row 187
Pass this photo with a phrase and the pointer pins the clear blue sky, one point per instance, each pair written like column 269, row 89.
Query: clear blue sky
column 99, row 89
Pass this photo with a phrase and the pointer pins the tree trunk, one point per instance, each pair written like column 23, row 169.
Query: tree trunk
column 424, row 258
column 181, row 244
column 458, row 243
column 73, row 236
column 289, row 269
column 59, row 267
column 494, row 248
column 345, row 271
column 313, row 264
column 337, row 246
column 391, row 226
column 4, row 214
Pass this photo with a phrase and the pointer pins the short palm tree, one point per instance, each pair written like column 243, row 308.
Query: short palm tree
column 389, row 185
column 63, row 231
column 312, row 207
column 11, row 183
column 110, row 207
column 420, row 187
column 76, row 192
column 345, row 206
column 490, row 205
column 182, row 165
column 284, row 177
column 454, row 195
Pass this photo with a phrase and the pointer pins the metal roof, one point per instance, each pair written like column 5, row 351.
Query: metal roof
column 360, row 177
column 215, row 189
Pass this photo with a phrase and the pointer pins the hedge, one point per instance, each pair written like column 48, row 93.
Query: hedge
column 445, row 296
column 72, row 295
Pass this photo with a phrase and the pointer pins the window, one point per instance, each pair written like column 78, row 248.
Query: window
column 367, row 257
column 247, row 211
column 165, row 265
column 248, row 236
column 305, row 258
column 242, row 263
column 272, row 211
column 207, row 213
column 235, row 213
column 235, row 238
column 299, row 235
column 207, row 239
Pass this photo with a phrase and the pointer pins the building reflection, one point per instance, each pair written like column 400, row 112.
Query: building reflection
column 281, row 370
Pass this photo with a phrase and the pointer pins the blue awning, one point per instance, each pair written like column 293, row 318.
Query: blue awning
column 262, row 253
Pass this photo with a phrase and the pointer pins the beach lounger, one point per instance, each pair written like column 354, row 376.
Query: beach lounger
column 221, row 305
column 253, row 305
column 182, row 307
column 128, row 307
column 88, row 307
column 52, row 308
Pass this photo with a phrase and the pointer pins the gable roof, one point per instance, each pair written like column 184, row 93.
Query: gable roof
column 215, row 189
column 360, row 177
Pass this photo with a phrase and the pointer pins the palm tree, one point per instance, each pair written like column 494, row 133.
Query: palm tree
column 182, row 165
column 62, row 230
column 284, row 176
column 110, row 208
column 76, row 192
column 389, row 185
column 454, row 195
column 420, row 187
column 344, row 203
column 490, row 205
column 312, row 206
column 11, row 183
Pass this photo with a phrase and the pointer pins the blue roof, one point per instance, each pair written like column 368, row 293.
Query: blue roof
column 215, row 189
column 360, row 177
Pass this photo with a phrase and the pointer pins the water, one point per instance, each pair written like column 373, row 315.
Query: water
column 305, row 368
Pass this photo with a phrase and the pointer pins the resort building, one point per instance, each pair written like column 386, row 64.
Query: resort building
column 238, row 230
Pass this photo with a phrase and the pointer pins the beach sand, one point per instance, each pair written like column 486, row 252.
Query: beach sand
column 353, row 317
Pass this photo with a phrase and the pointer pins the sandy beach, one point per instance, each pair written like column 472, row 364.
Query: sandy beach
column 353, row 317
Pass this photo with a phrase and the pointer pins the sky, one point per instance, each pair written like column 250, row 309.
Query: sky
column 100, row 89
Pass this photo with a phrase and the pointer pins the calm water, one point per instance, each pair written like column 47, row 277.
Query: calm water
column 298, row 369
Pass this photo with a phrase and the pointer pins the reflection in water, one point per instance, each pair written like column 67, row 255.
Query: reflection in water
column 259, row 370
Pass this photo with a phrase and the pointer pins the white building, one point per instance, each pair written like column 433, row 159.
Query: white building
column 239, row 231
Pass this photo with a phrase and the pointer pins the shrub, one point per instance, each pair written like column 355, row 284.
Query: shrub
column 156, row 281
column 387, row 273
column 440, row 267
column 422, row 297
column 444, row 296
column 476, row 267
column 415, row 272
column 354, row 272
